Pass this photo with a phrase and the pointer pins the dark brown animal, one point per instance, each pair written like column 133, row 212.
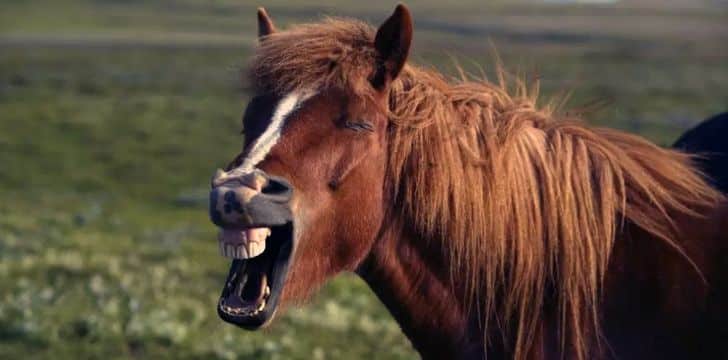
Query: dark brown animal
column 709, row 140
column 487, row 224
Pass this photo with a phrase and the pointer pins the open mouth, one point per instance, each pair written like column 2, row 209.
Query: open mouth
column 257, row 274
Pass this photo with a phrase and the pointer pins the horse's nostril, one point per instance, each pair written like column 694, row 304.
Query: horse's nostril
column 277, row 186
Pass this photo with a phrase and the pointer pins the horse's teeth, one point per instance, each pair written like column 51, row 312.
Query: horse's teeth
column 244, row 311
column 243, row 244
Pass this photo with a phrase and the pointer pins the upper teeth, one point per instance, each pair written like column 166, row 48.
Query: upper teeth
column 243, row 244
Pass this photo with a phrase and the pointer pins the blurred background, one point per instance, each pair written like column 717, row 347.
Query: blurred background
column 114, row 114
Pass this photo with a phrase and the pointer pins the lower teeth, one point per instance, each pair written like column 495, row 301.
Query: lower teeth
column 249, row 311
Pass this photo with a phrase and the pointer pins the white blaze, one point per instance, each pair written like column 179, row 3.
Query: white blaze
column 265, row 142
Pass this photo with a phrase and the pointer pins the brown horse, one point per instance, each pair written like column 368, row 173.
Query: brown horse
column 488, row 225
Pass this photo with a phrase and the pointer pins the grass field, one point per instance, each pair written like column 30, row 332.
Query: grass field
column 113, row 115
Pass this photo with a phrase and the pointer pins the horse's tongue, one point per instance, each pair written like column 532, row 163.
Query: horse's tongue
column 254, row 290
column 251, row 291
column 243, row 244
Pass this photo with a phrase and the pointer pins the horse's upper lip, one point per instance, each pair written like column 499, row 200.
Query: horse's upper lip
column 245, row 202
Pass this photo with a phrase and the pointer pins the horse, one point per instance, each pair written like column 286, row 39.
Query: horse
column 489, row 223
column 708, row 140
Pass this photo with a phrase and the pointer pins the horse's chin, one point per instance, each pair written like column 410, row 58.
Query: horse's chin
column 257, row 275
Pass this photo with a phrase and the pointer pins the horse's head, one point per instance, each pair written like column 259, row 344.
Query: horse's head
column 305, row 198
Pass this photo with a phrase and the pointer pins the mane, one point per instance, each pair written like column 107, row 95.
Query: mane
column 522, row 197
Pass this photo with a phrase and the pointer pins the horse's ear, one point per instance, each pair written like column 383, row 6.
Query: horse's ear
column 392, row 44
column 265, row 24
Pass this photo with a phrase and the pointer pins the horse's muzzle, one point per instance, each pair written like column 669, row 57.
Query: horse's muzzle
column 250, row 200
column 253, row 211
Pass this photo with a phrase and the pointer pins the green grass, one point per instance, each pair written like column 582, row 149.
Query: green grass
column 113, row 116
column 105, row 245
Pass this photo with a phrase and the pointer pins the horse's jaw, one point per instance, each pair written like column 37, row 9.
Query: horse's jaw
column 257, row 275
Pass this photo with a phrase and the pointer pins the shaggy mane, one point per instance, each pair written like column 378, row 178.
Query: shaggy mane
column 527, row 201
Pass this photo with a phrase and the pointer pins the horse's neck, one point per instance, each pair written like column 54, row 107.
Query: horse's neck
column 652, row 292
column 412, row 285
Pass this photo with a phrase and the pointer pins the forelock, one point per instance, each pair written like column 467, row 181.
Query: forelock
column 332, row 53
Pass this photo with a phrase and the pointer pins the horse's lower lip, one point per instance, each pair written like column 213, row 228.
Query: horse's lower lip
column 253, row 286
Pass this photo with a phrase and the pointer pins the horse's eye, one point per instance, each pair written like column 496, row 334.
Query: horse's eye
column 359, row 125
